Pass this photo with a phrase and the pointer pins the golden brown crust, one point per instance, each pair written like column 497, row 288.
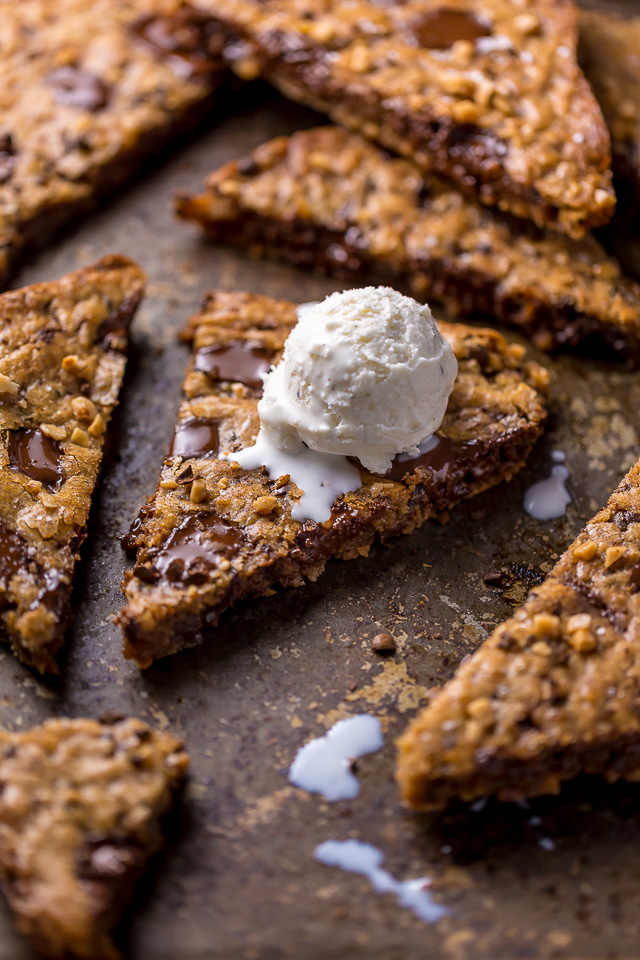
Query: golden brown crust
column 327, row 198
column 62, row 359
column 554, row 690
column 507, row 115
column 80, row 810
column 495, row 413
column 88, row 91
column 609, row 53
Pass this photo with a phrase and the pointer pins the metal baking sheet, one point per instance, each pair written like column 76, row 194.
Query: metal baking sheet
column 556, row 878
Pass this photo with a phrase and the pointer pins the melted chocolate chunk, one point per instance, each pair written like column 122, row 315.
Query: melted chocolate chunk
column 189, row 41
column 441, row 28
column 128, row 541
column 14, row 555
column 196, row 546
column 73, row 87
column 7, row 157
column 34, row 455
column 622, row 518
column 439, row 459
column 112, row 332
column 197, row 437
column 237, row 362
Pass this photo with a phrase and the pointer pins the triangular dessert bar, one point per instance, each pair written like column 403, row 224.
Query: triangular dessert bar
column 81, row 804
column 488, row 94
column 554, row 691
column 62, row 360
column 89, row 90
column 326, row 198
column 609, row 54
column 214, row 534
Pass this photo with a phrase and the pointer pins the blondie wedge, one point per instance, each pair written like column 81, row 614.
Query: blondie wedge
column 609, row 52
column 554, row 691
column 213, row 534
column 61, row 366
column 88, row 90
column 327, row 198
column 487, row 93
column 81, row 804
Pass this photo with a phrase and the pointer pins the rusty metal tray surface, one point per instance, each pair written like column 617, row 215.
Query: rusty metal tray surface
column 557, row 878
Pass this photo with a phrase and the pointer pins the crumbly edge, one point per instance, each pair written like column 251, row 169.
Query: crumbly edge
column 551, row 693
column 179, row 107
column 80, row 814
column 56, row 325
column 161, row 618
column 605, row 310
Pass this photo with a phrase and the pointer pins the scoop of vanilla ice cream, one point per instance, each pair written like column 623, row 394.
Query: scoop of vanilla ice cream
column 366, row 373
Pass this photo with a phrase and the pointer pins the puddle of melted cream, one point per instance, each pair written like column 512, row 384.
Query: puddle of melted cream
column 357, row 857
column 549, row 498
column 324, row 765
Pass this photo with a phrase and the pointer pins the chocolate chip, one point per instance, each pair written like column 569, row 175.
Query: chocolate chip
column 494, row 578
column 383, row 643
column 73, row 87
column 146, row 574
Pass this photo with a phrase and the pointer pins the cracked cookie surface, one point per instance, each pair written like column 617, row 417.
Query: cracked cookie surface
column 62, row 360
column 327, row 198
column 553, row 692
column 88, row 90
column 81, row 804
column 489, row 94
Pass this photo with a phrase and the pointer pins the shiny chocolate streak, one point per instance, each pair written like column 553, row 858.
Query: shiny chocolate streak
column 441, row 28
column 239, row 362
column 35, row 455
column 14, row 555
column 196, row 437
column 198, row 542
column 438, row 460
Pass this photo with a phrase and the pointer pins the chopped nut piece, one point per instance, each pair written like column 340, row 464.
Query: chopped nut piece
column 283, row 480
column 98, row 426
column 33, row 486
column 579, row 621
column 53, row 431
column 223, row 484
column 383, row 643
column 198, row 490
column 8, row 386
column 224, row 565
column 541, row 648
column 481, row 709
column 586, row 550
column 80, row 437
column 168, row 485
column 264, row 505
column 582, row 641
column 83, row 408
column 70, row 363
column 546, row 624
column 612, row 555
